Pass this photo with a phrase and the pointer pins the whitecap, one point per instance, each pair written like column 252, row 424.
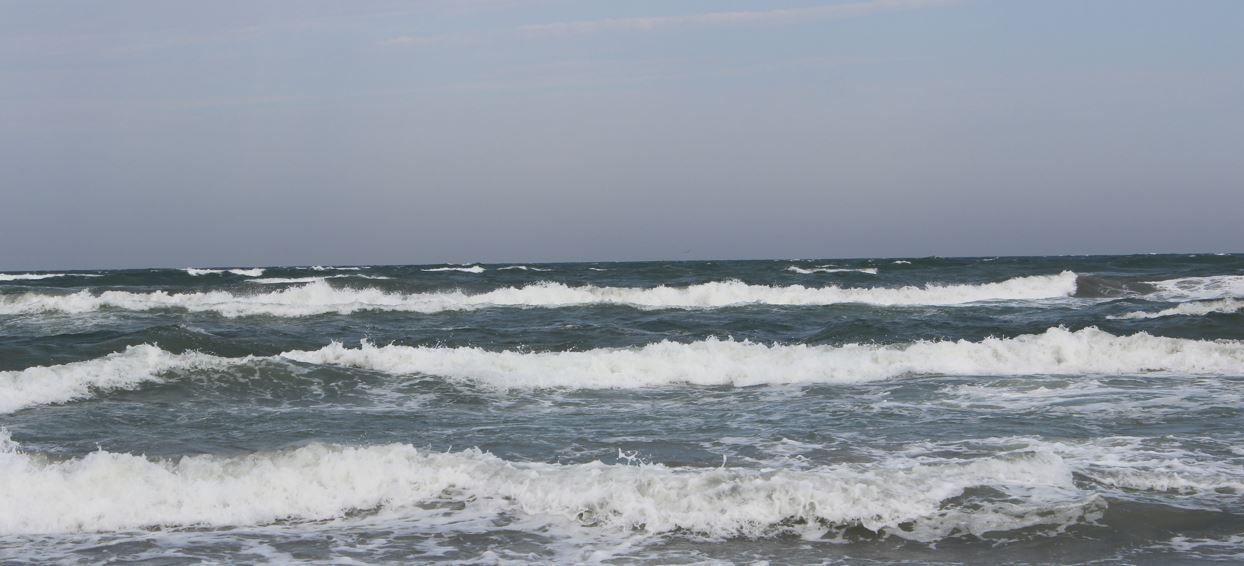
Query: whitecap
column 471, row 269
column 1197, row 308
column 829, row 269
column 716, row 362
column 37, row 276
column 256, row 272
column 1198, row 288
column 109, row 491
column 318, row 297
column 127, row 369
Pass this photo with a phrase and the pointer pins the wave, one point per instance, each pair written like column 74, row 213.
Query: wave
column 1199, row 288
column 42, row 385
column 829, row 269
column 711, row 362
column 901, row 262
column 332, row 268
column 37, row 276
column 107, row 491
column 521, row 268
column 471, row 269
column 319, row 297
column 715, row 362
column 1199, row 308
column 314, row 279
column 256, row 272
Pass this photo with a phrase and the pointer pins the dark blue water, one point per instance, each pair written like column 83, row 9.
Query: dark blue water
column 1066, row 409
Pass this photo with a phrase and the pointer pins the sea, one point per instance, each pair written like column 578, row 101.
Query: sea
column 1078, row 409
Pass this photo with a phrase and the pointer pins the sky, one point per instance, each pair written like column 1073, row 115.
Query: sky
column 257, row 132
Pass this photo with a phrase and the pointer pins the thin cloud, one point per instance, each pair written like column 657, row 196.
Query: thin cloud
column 415, row 40
column 779, row 16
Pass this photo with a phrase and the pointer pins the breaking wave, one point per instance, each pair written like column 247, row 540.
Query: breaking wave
column 1199, row 288
column 318, row 297
column 471, row 269
column 107, row 491
column 521, row 268
column 313, row 279
column 256, row 272
column 714, row 362
column 710, row 362
column 37, row 276
column 829, row 269
column 42, row 385
column 1199, row 308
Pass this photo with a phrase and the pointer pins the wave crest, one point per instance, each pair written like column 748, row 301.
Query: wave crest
column 110, row 491
column 1199, row 308
column 38, row 276
column 256, row 272
column 318, row 297
column 471, row 269
column 41, row 385
column 830, row 269
column 725, row 362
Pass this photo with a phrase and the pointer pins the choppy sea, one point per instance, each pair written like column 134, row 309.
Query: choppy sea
column 922, row 410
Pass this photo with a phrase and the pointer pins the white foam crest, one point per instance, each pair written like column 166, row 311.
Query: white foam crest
column 725, row 362
column 333, row 268
column 1149, row 464
column 828, row 269
column 1093, row 398
column 1199, row 288
column 37, row 276
column 106, row 491
column 1197, row 308
column 313, row 279
column 901, row 262
column 471, row 269
column 256, row 272
column 521, row 268
column 318, row 297
column 127, row 369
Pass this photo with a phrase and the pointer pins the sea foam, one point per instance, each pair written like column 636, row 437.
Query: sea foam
column 106, row 491
column 1199, row 288
column 127, row 369
column 318, row 297
column 830, row 269
column 1196, row 308
column 711, row 362
column 312, row 279
column 37, row 276
column 471, row 269
column 256, row 272
column 725, row 362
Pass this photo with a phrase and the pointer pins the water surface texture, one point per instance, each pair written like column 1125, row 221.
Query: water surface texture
column 1068, row 409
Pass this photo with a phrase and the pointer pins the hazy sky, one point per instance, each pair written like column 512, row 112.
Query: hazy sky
column 169, row 133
